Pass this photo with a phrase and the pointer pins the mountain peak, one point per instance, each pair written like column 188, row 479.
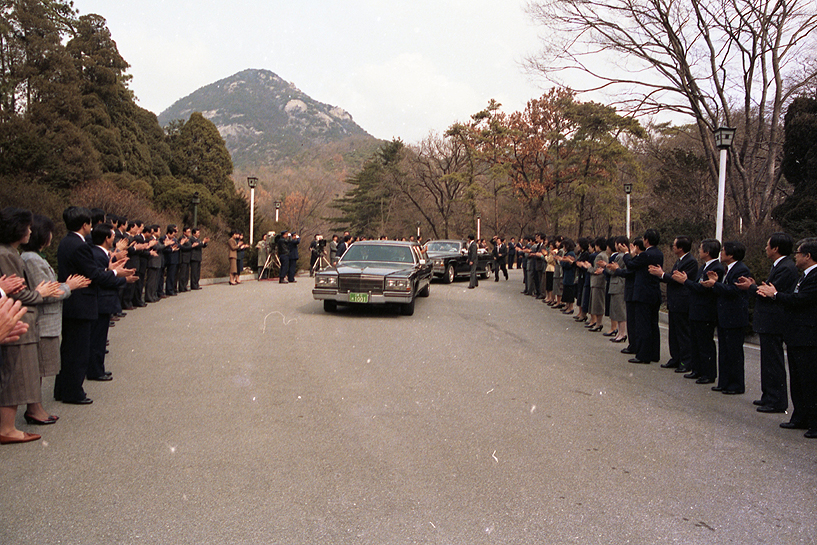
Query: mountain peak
column 265, row 119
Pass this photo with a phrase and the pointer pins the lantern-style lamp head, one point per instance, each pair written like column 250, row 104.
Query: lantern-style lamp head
column 724, row 137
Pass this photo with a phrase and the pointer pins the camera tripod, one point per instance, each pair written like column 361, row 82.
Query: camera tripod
column 269, row 267
column 320, row 263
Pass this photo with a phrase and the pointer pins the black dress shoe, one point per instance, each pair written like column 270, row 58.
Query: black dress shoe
column 733, row 392
column 83, row 401
column 811, row 434
column 636, row 360
column 596, row 329
column 718, row 389
column 793, row 425
column 103, row 378
column 627, row 351
column 759, row 402
column 670, row 365
column 705, row 380
column 621, row 340
column 108, row 373
column 769, row 409
column 682, row 369
column 692, row 374
column 611, row 333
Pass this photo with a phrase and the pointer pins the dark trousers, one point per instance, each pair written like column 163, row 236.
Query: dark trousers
column 151, row 284
column 195, row 274
column 628, row 305
column 731, row 359
column 184, row 276
column 647, row 335
column 128, row 295
column 500, row 264
column 803, row 373
column 75, row 353
column 536, row 282
column 474, row 282
column 284, row 268
column 293, row 268
column 773, row 371
column 680, row 345
column 170, row 280
column 99, row 338
column 704, row 355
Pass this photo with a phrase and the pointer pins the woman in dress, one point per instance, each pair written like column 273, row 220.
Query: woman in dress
column 49, row 321
column 20, row 371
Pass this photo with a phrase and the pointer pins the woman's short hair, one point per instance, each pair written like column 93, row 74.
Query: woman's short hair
column 14, row 224
column 42, row 229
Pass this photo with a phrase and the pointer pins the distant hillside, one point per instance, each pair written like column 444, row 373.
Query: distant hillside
column 267, row 121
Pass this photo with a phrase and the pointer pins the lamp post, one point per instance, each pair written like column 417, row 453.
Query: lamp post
column 277, row 208
column 195, row 201
column 628, row 188
column 252, row 181
column 479, row 227
column 418, row 231
column 723, row 140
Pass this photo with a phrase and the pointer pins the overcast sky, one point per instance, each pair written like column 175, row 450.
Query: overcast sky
column 400, row 68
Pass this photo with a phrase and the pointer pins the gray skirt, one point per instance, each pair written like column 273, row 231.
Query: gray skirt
column 618, row 309
column 597, row 300
column 20, row 375
column 49, row 356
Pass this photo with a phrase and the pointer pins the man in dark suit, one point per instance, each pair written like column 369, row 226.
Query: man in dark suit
column 171, row 252
column 703, row 313
column 154, row 265
column 680, row 346
column 801, row 337
column 102, row 236
column 185, row 253
column 769, row 323
column 733, row 318
column 197, row 246
column 143, row 246
column 80, row 311
column 499, row 254
column 645, row 336
column 472, row 261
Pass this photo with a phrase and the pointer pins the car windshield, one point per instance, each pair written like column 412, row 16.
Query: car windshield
column 443, row 247
column 378, row 253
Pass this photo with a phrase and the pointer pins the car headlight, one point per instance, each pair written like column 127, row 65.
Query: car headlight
column 401, row 284
column 326, row 281
column 439, row 262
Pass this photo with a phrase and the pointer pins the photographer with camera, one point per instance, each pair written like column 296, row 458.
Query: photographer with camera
column 316, row 249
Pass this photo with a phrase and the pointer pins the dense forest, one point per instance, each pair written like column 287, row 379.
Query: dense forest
column 72, row 133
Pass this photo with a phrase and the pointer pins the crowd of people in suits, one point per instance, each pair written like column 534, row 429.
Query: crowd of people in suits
column 57, row 323
column 708, row 290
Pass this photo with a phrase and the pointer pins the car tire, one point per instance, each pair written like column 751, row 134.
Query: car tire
column 407, row 309
column 450, row 274
column 425, row 291
column 329, row 305
column 488, row 270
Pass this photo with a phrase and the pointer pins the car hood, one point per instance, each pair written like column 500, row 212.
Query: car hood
column 432, row 255
column 375, row 269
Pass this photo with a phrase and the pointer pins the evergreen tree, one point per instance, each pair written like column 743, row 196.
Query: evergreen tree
column 798, row 213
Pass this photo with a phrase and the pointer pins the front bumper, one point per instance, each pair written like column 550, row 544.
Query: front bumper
column 374, row 298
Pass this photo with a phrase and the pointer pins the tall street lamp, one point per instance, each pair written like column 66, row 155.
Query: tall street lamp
column 195, row 201
column 723, row 140
column 628, row 188
column 418, row 231
column 277, row 208
column 252, row 181
column 479, row 227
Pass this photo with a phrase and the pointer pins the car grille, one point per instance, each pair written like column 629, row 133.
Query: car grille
column 357, row 283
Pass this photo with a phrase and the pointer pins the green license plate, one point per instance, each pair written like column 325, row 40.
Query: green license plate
column 358, row 297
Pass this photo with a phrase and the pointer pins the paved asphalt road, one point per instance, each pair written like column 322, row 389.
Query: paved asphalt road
column 248, row 415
